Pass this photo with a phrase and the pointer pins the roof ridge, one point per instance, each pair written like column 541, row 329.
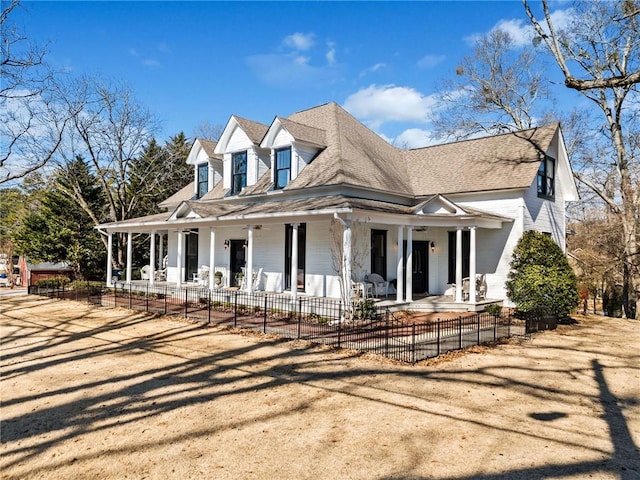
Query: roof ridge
column 486, row 137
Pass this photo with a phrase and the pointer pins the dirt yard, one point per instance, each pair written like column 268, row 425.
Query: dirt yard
column 114, row 394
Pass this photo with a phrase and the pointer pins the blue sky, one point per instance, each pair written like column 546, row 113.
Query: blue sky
column 191, row 62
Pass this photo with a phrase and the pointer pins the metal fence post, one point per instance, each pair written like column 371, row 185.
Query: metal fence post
column 130, row 299
column 478, row 328
column 147, row 298
column 495, row 328
column 165, row 299
column 339, row 323
column 438, row 344
column 386, row 333
column 235, row 309
column 264, row 315
column 209, row 307
column 413, row 343
column 186, row 302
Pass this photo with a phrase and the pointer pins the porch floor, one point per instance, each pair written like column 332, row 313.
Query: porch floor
column 420, row 303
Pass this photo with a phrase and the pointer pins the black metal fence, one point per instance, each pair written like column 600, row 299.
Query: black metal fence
column 320, row 320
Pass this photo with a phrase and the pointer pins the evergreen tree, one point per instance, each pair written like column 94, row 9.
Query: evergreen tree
column 541, row 280
column 60, row 230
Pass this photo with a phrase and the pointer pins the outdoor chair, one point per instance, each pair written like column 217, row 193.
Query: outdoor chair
column 145, row 273
column 202, row 277
column 380, row 285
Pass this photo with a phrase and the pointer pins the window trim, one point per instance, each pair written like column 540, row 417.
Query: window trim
column 240, row 175
column 277, row 169
column 203, row 167
column 545, row 180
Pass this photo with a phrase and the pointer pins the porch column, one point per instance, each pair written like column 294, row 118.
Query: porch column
column 179, row 259
column 212, row 257
column 152, row 258
column 161, row 252
column 459, row 264
column 409, row 265
column 294, row 261
column 472, row 264
column 129, row 255
column 249, row 270
column 399, row 269
column 109, row 258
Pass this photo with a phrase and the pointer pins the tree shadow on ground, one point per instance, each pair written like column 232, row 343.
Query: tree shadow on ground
column 197, row 375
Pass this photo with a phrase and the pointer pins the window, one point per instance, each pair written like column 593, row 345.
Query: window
column 282, row 167
column 466, row 248
column 302, row 253
column 379, row 252
column 203, row 180
column 239, row 172
column 546, row 187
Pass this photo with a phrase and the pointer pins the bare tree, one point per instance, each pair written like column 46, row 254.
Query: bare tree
column 599, row 56
column 354, row 270
column 498, row 88
column 208, row 131
column 31, row 124
column 110, row 130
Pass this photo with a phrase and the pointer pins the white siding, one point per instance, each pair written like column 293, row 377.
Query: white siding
column 301, row 157
column 545, row 215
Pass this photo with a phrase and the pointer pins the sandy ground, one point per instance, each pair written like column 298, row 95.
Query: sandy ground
column 113, row 394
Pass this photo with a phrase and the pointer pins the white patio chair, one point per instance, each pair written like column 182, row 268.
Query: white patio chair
column 380, row 285
column 203, row 276
column 145, row 272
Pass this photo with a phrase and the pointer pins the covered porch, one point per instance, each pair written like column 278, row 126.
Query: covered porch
column 424, row 256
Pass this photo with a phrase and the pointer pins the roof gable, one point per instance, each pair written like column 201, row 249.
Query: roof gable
column 254, row 132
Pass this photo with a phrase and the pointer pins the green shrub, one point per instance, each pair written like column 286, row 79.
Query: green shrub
column 493, row 309
column 365, row 309
column 541, row 280
column 58, row 281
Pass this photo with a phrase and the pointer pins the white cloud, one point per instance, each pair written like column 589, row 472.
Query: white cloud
column 331, row 53
column 299, row 41
column 150, row 62
column 372, row 69
column 522, row 32
column 376, row 105
column 415, row 138
column 290, row 70
column 429, row 61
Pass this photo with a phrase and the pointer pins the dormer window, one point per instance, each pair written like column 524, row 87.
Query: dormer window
column 546, row 184
column 282, row 167
column 239, row 172
column 203, row 180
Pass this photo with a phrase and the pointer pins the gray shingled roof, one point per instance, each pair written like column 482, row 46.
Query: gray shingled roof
column 354, row 155
column 304, row 133
column 510, row 160
column 254, row 130
column 185, row 193
column 209, row 147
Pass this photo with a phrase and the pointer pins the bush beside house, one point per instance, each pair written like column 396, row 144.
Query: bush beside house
column 541, row 280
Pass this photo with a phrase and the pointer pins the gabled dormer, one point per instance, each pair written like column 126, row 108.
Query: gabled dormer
column 293, row 146
column 244, row 161
column 208, row 167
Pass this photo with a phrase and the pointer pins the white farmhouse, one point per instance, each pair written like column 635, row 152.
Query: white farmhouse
column 316, row 203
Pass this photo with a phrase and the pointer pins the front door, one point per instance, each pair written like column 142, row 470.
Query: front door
column 191, row 255
column 420, row 267
column 237, row 262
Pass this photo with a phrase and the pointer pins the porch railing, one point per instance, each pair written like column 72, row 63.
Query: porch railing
column 362, row 327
